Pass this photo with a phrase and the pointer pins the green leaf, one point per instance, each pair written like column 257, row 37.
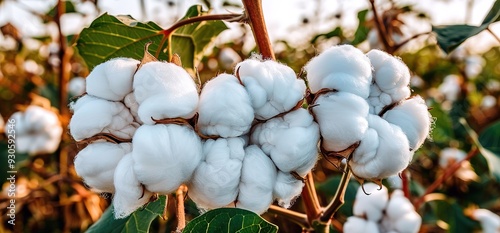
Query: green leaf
column 490, row 137
column 362, row 31
column 122, row 36
column 139, row 221
column 450, row 37
column 337, row 32
column 230, row 220
column 69, row 8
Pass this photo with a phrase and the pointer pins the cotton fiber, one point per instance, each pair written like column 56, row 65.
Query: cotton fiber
column 164, row 90
column 400, row 216
column 287, row 189
column 359, row 225
column 413, row 118
column 215, row 181
column 224, row 108
column 37, row 129
column 490, row 222
column 92, row 115
column 342, row 119
column 96, row 164
column 273, row 87
column 291, row 141
column 112, row 80
column 132, row 106
column 129, row 195
column 258, row 177
column 165, row 156
column 370, row 206
column 343, row 68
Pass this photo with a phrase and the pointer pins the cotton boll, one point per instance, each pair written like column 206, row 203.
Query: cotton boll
column 392, row 153
column 96, row 164
column 224, row 108
column 413, row 118
column 359, row 225
column 474, row 66
column 400, row 215
column 112, row 80
column 165, row 156
column 164, row 90
column 450, row 87
column 395, row 182
column 129, row 195
column 287, row 189
column 291, row 141
column 37, row 129
column 133, row 106
column 490, row 222
column 342, row 119
column 93, row 115
column 215, row 181
column 450, row 155
column 76, row 86
column 370, row 206
column 258, row 178
column 228, row 58
column 273, row 82
column 343, row 68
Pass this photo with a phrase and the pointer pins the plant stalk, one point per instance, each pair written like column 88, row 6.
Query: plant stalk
column 255, row 14
column 382, row 31
column 181, row 215
column 297, row 217
column 310, row 198
column 338, row 199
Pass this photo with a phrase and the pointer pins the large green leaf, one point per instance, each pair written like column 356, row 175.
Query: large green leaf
column 450, row 37
column 230, row 220
column 122, row 36
column 139, row 221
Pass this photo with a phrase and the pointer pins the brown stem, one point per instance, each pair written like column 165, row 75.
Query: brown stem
column 181, row 215
column 382, row 31
column 447, row 174
column 310, row 198
column 169, row 31
column 402, row 43
column 493, row 34
column 254, row 11
column 338, row 199
column 405, row 179
column 297, row 217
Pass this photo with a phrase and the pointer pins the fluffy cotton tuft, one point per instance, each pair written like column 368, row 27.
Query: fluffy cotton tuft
column 359, row 225
column 215, row 181
column 133, row 106
column 165, row 156
column 384, row 151
column 342, row 119
column 224, row 108
column 76, row 86
column 490, row 222
column 343, row 68
column 38, row 130
column 273, row 87
column 164, row 90
column 287, row 189
column 258, row 177
column 413, row 118
column 92, row 115
column 391, row 77
column 112, row 80
column 96, row 164
column 370, row 206
column 291, row 141
column 129, row 195
column 451, row 87
column 400, row 216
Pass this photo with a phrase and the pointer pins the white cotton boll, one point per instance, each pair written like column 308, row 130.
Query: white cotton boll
column 112, row 80
column 359, row 225
column 215, row 181
column 413, row 118
column 395, row 182
column 400, row 215
column 287, row 189
column 450, row 87
column 291, row 141
column 96, row 164
column 258, row 177
column 165, row 156
column 490, row 222
column 342, row 119
column 92, row 115
column 76, row 86
column 164, row 90
column 224, row 108
column 392, row 153
column 343, row 68
column 474, row 66
column 273, row 82
column 449, row 154
column 133, row 106
column 129, row 194
column 370, row 206
column 37, row 129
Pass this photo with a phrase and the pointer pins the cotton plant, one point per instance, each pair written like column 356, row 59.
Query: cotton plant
column 38, row 130
column 490, row 222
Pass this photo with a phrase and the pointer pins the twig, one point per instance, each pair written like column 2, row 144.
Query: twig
column 382, row 32
column 447, row 174
column 310, row 198
column 181, row 215
column 338, row 199
column 398, row 46
column 493, row 34
column 297, row 217
column 405, row 180
column 254, row 11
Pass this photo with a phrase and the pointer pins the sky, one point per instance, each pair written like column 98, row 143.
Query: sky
column 284, row 18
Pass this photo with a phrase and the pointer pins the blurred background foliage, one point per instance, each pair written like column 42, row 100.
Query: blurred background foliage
column 459, row 85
